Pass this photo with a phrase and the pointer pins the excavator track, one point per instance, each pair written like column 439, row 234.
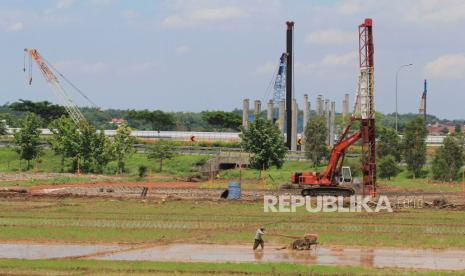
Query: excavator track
column 328, row 191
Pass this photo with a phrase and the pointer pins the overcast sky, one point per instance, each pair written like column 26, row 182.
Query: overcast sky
column 192, row 55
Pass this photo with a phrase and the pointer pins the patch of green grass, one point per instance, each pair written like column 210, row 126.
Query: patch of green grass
column 274, row 177
column 134, row 221
column 9, row 162
column 66, row 267
column 179, row 166
column 404, row 181
column 182, row 166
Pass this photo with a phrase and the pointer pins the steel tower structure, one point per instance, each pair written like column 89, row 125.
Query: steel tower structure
column 279, row 87
column 364, row 109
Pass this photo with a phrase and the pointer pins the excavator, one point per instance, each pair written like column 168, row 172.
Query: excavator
column 331, row 180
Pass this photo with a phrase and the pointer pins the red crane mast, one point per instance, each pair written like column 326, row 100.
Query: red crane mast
column 328, row 181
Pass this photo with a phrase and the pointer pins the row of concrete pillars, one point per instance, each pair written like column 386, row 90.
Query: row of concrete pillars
column 323, row 108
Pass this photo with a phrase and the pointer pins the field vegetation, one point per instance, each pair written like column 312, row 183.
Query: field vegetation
column 94, row 267
column 149, row 221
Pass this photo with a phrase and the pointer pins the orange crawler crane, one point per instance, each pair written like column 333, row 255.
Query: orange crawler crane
column 329, row 181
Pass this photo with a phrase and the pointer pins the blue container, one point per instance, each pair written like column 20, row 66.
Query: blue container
column 234, row 190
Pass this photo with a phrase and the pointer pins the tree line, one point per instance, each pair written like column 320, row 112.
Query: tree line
column 90, row 151
column 391, row 150
column 265, row 141
column 86, row 148
column 160, row 120
column 137, row 119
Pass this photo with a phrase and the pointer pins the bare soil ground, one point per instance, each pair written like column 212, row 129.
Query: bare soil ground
column 193, row 191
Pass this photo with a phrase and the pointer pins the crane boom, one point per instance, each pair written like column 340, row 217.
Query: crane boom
column 72, row 109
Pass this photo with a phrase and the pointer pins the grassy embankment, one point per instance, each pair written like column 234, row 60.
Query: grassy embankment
column 224, row 222
column 93, row 267
column 181, row 167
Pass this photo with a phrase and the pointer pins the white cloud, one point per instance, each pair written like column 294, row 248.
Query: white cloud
column 330, row 37
column 266, row 69
column 451, row 66
column 129, row 14
column 194, row 17
column 436, row 11
column 18, row 26
column 82, row 67
column 305, row 68
column 62, row 4
column 183, row 49
column 101, row 2
column 176, row 21
column 218, row 13
column 343, row 59
column 329, row 62
column 350, row 7
column 138, row 68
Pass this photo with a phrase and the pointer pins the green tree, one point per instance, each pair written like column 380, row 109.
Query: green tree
column 458, row 129
column 27, row 139
column 387, row 167
column 265, row 142
column 123, row 145
column 448, row 159
column 158, row 119
column 93, row 151
column 316, row 133
column 161, row 150
column 3, row 130
column 102, row 152
column 46, row 110
column 222, row 120
column 414, row 146
column 65, row 138
column 388, row 143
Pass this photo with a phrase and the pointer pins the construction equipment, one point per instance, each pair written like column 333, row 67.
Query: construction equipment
column 300, row 243
column 279, row 93
column 329, row 181
column 46, row 69
column 422, row 108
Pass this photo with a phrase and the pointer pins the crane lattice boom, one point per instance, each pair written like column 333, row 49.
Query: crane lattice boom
column 72, row 109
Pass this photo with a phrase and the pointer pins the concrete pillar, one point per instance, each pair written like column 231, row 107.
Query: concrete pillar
column 257, row 108
column 326, row 108
column 306, row 110
column 345, row 106
column 332, row 126
column 326, row 112
column 319, row 107
column 245, row 112
column 281, row 115
column 269, row 111
column 295, row 112
column 306, row 113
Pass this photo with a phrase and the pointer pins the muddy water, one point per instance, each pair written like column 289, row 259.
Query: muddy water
column 402, row 258
column 49, row 251
column 375, row 257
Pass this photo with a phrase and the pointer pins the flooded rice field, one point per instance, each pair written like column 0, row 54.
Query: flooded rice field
column 366, row 257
